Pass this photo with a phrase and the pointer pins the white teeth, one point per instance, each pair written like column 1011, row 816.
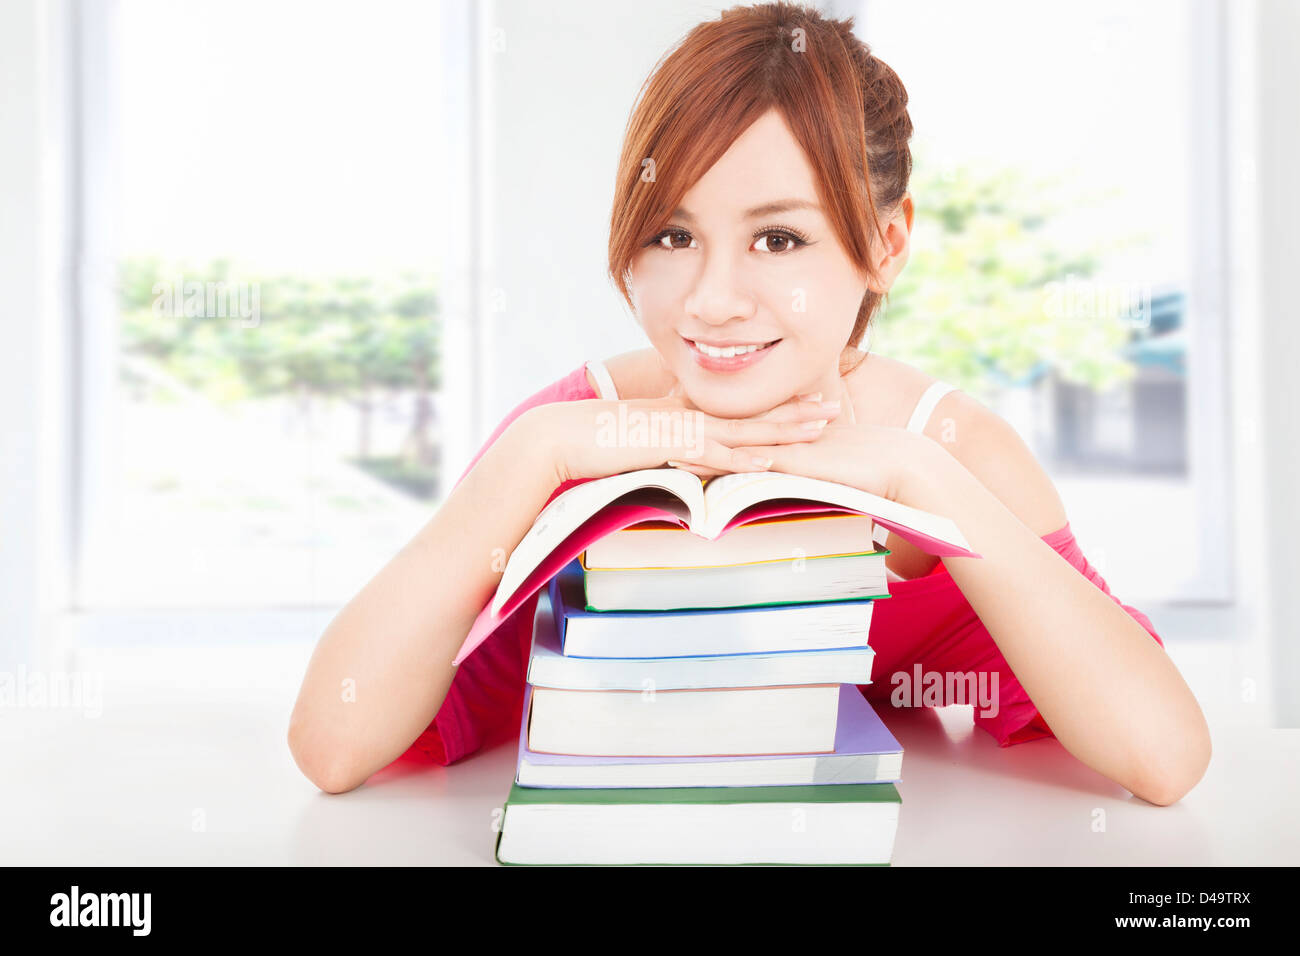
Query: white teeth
column 727, row 352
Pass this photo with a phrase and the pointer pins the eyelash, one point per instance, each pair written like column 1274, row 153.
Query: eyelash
column 799, row 239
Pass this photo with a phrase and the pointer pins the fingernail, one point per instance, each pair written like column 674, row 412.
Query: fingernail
column 811, row 397
column 761, row 462
column 815, row 426
column 676, row 464
column 831, row 406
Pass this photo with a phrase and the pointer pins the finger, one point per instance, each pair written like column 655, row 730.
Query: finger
column 735, row 432
column 693, row 460
column 723, row 459
column 698, row 472
column 800, row 408
column 782, row 457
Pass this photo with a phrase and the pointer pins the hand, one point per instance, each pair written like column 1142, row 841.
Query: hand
column 593, row 438
column 874, row 458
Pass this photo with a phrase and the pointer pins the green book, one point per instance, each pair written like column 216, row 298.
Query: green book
column 845, row 824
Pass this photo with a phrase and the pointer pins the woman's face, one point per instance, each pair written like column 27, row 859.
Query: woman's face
column 749, row 259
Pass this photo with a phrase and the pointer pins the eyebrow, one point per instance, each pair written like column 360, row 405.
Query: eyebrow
column 767, row 209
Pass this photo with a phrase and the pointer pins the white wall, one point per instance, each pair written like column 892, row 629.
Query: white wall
column 1270, row 198
column 562, row 79
column 33, row 344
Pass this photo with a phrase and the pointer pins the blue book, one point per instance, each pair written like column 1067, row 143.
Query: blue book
column 549, row 667
column 763, row 629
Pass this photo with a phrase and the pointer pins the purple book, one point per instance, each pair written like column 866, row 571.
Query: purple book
column 865, row 752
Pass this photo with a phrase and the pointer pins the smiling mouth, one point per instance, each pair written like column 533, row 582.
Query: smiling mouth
column 729, row 351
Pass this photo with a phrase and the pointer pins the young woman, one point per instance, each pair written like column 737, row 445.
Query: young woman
column 761, row 211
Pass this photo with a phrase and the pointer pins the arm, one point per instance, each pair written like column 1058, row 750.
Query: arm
column 395, row 640
column 1110, row 693
column 393, row 644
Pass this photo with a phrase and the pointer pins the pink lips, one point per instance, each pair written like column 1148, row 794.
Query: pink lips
column 733, row 364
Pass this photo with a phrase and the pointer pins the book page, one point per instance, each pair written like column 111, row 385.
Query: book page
column 728, row 495
column 571, row 508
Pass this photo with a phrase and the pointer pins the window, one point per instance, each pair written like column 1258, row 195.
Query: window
column 262, row 301
column 1067, row 268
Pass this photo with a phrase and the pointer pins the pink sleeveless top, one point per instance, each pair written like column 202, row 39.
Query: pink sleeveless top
column 925, row 621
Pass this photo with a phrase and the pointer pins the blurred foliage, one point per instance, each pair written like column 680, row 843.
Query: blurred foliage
column 340, row 337
column 970, row 307
column 410, row 476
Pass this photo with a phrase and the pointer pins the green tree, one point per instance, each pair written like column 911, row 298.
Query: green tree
column 343, row 337
column 970, row 307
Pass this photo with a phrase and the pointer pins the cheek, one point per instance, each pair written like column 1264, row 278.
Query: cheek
column 656, row 299
column 841, row 294
column 817, row 302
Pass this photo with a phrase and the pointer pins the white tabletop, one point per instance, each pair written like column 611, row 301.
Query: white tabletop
column 188, row 765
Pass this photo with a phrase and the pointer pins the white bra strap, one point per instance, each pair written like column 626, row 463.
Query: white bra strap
column 925, row 407
column 604, row 382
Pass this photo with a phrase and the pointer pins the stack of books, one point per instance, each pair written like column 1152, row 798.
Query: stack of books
column 690, row 694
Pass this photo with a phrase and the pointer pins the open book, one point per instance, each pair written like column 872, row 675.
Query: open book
column 710, row 507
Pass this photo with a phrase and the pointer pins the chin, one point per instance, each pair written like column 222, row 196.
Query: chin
column 731, row 403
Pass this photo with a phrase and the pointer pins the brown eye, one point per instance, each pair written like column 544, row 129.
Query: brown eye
column 775, row 237
column 671, row 235
column 779, row 241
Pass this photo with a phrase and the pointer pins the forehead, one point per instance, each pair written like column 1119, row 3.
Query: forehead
column 765, row 163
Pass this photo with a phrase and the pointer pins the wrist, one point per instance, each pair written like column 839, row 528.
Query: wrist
column 930, row 477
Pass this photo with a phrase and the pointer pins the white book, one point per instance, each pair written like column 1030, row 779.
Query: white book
column 799, row 581
column 671, row 723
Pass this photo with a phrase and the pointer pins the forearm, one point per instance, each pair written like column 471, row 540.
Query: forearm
column 1110, row 693
column 383, row 666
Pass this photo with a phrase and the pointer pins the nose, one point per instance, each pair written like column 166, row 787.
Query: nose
column 719, row 294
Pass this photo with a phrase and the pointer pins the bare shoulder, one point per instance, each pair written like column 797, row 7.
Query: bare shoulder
column 985, row 444
column 639, row 373
column 993, row 451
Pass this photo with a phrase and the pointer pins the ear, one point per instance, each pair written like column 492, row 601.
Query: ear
column 890, row 258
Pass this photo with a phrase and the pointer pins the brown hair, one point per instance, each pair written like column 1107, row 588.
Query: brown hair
column 846, row 108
